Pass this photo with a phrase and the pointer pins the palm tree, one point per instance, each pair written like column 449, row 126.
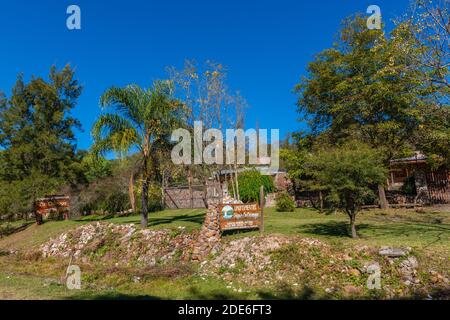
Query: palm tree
column 142, row 120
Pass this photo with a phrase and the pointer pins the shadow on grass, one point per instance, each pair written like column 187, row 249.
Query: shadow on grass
column 195, row 294
column 428, row 233
column 332, row 228
column 287, row 293
column 114, row 296
column 198, row 219
column 154, row 221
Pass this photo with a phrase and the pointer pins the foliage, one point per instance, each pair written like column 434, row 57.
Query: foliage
column 347, row 173
column 95, row 167
column 364, row 88
column 250, row 183
column 285, row 202
column 142, row 120
column 38, row 155
column 116, row 202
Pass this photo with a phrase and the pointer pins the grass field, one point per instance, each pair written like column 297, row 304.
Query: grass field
column 425, row 233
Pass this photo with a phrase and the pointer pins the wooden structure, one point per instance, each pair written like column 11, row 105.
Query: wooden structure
column 240, row 216
column 56, row 207
column 434, row 185
column 193, row 197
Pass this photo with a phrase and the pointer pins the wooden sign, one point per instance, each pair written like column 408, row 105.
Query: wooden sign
column 56, row 206
column 240, row 216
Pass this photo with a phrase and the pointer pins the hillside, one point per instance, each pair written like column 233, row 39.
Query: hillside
column 304, row 254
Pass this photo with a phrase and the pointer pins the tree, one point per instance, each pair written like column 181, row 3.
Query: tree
column 429, row 22
column 348, row 174
column 142, row 120
column 365, row 89
column 37, row 136
column 208, row 98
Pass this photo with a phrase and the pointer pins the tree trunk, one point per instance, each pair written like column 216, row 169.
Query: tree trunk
column 144, row 196
column 191, row 194
column 353, row 225
column 144, row 213
column 131, row 194
column 382, row 198
column 238, row 197
column 321, row 200
column 163, row 188
column 232, row 183
column 205, row 193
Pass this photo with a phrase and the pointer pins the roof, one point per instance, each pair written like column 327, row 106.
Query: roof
column 418, row 157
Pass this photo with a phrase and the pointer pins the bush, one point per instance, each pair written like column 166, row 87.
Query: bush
column 284, row 202
column 116, row 202
column 250, row 183
column 154, row 198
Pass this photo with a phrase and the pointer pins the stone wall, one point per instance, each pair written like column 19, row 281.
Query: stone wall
column 209, row 238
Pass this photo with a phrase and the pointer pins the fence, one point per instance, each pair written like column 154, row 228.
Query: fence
column 438, row 187
column 185, row 197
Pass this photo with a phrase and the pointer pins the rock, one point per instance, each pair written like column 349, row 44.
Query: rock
column 355, row 272
column 410, row 263
column 393, row 252
column 351, row 290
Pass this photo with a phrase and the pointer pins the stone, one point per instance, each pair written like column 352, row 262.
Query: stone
column 351, row 290
column 355, row 272
column 393, row 252
column 410, row 262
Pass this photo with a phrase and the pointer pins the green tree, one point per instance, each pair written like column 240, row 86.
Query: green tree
column 37, row 135
column 364, row 88
column 348, row 174
column 95, row 167
column 143, row 120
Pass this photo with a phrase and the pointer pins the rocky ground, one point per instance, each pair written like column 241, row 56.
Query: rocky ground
column 273, row 261
column 121, row 245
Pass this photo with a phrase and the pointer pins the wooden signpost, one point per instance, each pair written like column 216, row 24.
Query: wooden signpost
column 242, row 216
column 56, row 205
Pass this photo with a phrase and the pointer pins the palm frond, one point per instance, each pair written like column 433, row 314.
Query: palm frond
column 112, row 132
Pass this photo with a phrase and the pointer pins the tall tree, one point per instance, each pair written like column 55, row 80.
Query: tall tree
column 37, row 133
column 364, row 89
column 142, row 120
column 205, row 91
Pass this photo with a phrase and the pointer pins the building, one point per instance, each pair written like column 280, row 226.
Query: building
column 55, row 207
column 414, row 172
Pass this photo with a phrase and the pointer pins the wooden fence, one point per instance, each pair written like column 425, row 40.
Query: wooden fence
column 438, row 187
column 185, row 197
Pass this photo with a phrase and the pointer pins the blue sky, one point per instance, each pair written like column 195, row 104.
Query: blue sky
column 265, row 44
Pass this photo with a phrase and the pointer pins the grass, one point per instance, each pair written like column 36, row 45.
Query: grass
column 394, row 227
column 427, row 233
column 188, row 218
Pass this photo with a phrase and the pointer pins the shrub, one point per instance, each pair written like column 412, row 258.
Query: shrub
column 250, row 183
column 284, row 202
column 116, row 202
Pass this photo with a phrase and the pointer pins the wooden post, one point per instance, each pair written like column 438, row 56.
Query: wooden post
column 261, row 204
column 382, row 198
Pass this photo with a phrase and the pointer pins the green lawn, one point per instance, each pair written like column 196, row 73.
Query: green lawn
column 394, row 227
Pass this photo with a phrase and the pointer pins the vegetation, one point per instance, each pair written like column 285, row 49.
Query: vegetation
column 285, row 202
column 427, row 234
column 348, row 174
column 38, row 114
column 250, row 183
column 371, row 97
column 143, row 119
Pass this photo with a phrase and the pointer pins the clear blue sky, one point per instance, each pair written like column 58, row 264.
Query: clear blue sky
column 265, row 44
